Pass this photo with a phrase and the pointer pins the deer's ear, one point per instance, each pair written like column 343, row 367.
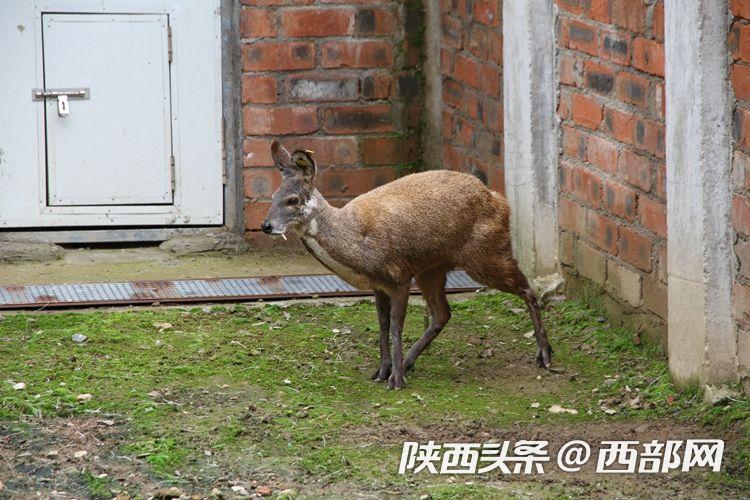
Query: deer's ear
column 304, row 163
column 282, row 159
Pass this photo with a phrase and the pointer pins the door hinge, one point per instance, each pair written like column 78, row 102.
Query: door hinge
column 172, row 174
column 169, row 44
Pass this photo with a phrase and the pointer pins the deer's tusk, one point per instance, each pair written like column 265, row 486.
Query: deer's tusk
column 283, row 235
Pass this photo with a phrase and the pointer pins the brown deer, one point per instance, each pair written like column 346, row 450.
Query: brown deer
column 419, row 226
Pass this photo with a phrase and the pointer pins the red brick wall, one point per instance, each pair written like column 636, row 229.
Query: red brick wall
column 612, row 207
column 339, row 77
column 471, row 56
column 739, row 44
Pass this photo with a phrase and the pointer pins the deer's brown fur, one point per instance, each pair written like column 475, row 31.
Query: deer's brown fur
column 419, row 226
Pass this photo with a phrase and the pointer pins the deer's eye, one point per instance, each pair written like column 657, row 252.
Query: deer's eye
column 293, row 201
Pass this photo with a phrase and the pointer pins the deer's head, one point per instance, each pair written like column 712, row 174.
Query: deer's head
column 290, row 204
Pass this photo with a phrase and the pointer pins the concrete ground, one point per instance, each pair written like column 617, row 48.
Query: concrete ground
column 89, row 265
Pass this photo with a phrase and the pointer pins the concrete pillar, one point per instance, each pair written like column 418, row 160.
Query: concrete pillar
column 432, row 136
column 530, row 131
column 702, row 339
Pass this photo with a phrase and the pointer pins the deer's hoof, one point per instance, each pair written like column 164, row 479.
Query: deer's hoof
column 544, row 357
column 382, row 373
column 396, row 382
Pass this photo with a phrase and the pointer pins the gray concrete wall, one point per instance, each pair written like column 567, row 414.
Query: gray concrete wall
column 702, row 338
column 529, row 87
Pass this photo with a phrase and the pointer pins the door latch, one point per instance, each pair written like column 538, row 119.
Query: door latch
column 62, row 96
column 62, row 106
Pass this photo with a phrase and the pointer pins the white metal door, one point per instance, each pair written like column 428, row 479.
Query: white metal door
column 113, row 147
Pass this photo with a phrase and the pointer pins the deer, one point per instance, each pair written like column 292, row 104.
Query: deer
column 417, row 227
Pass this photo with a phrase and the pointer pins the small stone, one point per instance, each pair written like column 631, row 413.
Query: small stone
column 84, row 397
column 560, row 409
column 19, row 386
column 336, row 330
column 165, row 493
column 529, row 335
column 264, row 491
column 108, row 423
column 287, row 493
column 487, row 353
column 163, row 326
column 79, row 338
column 80, row 454
column 240, row 490
column 641, row 428
column 518, row 310
column 216, row 493
column 287, row 381
column 208, row 453
column 53, row 453
column 610, row 382
column 535, row 405
column 154, row 394
column 610, row 411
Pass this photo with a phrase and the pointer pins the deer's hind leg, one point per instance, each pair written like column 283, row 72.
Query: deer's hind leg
column 432, row 284
column 501, row 271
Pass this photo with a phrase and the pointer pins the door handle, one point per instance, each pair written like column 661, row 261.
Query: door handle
column 62, row 96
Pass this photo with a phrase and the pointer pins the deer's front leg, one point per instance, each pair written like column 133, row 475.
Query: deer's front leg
column 399, row 301
column 383, row 305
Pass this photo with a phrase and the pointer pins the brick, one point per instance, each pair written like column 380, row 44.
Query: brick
column 742, row 251
column 649, row 136
column 583, row 184
column 583, row 37
column 572, row 216
column 563, row 105
column 374, row 21
column 653, row 216
column 660, row 189
column 255, row 214
column 322, row 88
column 629, row 14
column 257, row 23
column 741, row 295
column 619, row 125
column 467, row 71
column 590, row 262
column 741, row 213
column 740, row 8
column 586, row 111
column 599, row 10
column 314, row 22
column 615, row 46
column 451, row 31
column 602, row 232
column 370, row 54
column 487, row 12
column 599, row 77
column 739, row 41
column 353, row 182
column 279, row 121
column 574, row 142
column 453, row 158
column 632, row 89
column 565, row 248
column 572, row 6
column 663, row 264
column 261, row 182
column 635, row 248
column 602, row 154
column 276, row 2
column 478, row 41
column 620, row 200
column 648, row 56
column 655, row 297
column 259, row 89
column 357, row 119
column 741, row 127
column 389, row 150
column 329, row 151
column 571, row 70
column 377, row 86
column 741, row 170
column 741, row 81
column 625, row 284
column 658, row 22
column 275, row 56
column 635, row 170
column 491, row 80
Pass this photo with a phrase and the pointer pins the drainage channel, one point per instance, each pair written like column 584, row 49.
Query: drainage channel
column 195, row 290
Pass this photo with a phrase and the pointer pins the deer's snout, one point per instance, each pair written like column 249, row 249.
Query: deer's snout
column 266, row 227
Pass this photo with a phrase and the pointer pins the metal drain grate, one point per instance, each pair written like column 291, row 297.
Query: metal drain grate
column 193, row 290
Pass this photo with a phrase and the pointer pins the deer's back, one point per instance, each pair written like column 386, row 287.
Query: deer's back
column 426, row 218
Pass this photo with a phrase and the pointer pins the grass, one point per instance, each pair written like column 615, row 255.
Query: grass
column 287, row 389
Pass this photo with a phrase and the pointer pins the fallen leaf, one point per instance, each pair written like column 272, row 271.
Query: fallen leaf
column 80, row 454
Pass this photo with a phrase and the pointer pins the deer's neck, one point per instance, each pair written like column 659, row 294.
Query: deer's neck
column 328, row 235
